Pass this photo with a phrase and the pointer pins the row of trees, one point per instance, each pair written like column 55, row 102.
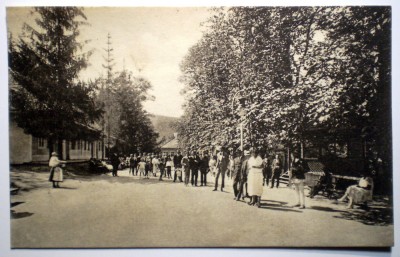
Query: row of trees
column 48, row 99
column 289, row 70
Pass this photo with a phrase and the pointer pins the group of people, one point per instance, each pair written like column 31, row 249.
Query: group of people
column 146, row 165
column 250, row 171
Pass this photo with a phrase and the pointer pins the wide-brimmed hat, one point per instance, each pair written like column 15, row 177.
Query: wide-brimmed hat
column 246, row 152
column 54, row 154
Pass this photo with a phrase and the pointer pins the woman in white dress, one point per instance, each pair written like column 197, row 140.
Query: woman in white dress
column 212, row 164
column 155, row 163
column 255, row 178
column 56, row 173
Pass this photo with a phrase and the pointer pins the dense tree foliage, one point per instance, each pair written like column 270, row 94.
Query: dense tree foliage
column 296, row 70
column 135, row 130
column 47, row 99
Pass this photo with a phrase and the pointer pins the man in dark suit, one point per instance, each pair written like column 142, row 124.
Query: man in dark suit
column 236, row 172
column 194, row 162
column 222, row 166
column 276, row 171
column 115, row 162
column 177, row 165
column 244, row 170
column 204, row 168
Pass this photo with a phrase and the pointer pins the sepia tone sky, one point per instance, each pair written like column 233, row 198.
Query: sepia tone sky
column 150, row 39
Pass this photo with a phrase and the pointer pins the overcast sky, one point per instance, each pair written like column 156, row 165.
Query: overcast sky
column 154, row 40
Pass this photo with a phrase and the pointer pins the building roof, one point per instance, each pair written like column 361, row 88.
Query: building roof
column 171, row 144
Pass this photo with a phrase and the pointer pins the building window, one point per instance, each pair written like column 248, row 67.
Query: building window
column 84, row 145
column 79, row 144
column 73, row 145
column 41, row 143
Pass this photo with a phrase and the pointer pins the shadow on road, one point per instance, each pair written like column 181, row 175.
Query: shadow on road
column 68, row 188
column 378, row 213
column 321, row 208
column 20, row 215
column 16, row 203
column 276, row 207
column 371, row 216
column 273, row 201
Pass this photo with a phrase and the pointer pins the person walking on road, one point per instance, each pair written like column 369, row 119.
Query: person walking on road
column 115, row 163
column 236, row 174
column 142, row 168
column 222, row 166
column 131, row 165
column 255, row 177
column 244, row 170
column 155, row 162
column 148, row 167
column 276, row 171
column 138, row 160
column 194, row 162
column 230, row 165
column 169, row 164
column 204, row 169
column 212, row 164
column 297, row 177
column 56, row 172
column 186, row 169
column 178, row 166
column 161, row 166
column 267, row 170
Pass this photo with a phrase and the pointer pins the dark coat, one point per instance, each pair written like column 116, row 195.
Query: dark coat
column 204, row 163
column 194, row 162
column 237, row 165
column 114, row 161
column 299, row 168
column 177, row 161
column 245, row 168
column 223, row 164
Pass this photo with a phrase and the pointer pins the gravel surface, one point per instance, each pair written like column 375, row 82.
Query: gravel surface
column 111, row 212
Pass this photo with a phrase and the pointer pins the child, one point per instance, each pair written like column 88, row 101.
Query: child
column 142, row 167
column 169, row 167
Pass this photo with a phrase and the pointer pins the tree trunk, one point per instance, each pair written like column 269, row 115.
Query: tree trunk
column 67, row 150
column 50, row 146
column 60, row 148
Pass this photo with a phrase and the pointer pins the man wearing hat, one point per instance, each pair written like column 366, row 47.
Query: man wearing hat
column 222, row 166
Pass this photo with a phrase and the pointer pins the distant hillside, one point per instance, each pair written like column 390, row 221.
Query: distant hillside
column 163, row 125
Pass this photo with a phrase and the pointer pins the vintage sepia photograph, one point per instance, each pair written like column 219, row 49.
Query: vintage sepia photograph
column 200, row 127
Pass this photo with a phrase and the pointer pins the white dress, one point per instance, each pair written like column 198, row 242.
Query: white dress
column 56, row 173
column 255, row 177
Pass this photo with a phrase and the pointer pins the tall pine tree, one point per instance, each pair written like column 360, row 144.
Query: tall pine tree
column 48, row 101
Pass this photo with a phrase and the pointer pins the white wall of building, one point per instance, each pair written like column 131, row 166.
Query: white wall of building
column 20, row 145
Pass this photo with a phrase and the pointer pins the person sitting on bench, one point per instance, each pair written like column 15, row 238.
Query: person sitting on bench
column 360, row 193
